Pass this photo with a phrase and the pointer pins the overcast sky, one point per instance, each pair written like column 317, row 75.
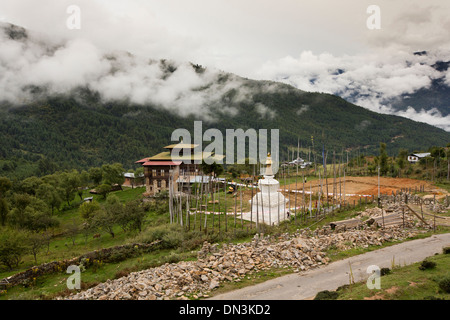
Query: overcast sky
column 284, row 40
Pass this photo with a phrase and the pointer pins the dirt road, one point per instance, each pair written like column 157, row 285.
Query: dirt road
column 306, row 285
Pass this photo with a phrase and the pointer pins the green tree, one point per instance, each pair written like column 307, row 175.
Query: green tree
column 72, row 231
column 215, row 168
column 39, row 220
column 96, row 175
column 45, row 166
column 383, row 159
column 36, row 242
column 131, row 217
column 402, row 160
column 31, row 213
column 18, row 214
column 4, row 211
column 13, row 246
column 106, row 218
column 103, row 190
column 86, row 230
column 88, row 209
column 54, row 180
column 5, row 185
column 70, row 181
column 30, row 185
column 437, row 152
column 50, row 195
column 113, row 174
column 84, row 183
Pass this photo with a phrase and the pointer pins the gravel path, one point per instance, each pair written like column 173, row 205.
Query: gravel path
column 305, row 285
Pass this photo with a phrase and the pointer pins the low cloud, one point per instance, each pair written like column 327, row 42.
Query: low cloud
column 304, row 108
column 30, row 62
column 433, row 117
column 363, row 125
column 373, row 81
column 264, row 111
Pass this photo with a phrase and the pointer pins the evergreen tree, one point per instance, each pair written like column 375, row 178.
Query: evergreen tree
column 383, row 159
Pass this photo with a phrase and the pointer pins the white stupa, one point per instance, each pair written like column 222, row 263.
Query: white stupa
column 269, row 206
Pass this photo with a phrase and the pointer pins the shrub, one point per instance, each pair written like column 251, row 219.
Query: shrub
column 343, row 287
column 120, row 255
column 172, row 239
column 158, row 205
column 385, row 271
column 241, row 234
column 88, row 209
column 103, row 190
column 425, row 265
column 193, row 240
column 156, row 233
column 172, row 258
column 432, row 298
column 446, row 250
column 327, row 295
column 444, row 284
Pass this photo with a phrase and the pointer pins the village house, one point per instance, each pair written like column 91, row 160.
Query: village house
column 163, row 170
column 415, row 157
column 131, row 180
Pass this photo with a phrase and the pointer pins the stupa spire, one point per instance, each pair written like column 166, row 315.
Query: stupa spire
column 268, row 171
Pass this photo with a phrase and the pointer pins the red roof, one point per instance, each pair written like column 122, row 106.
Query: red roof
column 142, row 160
column 162, row 163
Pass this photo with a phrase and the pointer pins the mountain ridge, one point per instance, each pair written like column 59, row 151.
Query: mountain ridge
column 131, row 106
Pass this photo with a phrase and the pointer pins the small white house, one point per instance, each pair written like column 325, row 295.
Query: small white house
column 415, row 157
column 130, row 179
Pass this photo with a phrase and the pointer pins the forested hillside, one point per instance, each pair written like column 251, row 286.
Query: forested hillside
column 121, row 108
column 80, row 131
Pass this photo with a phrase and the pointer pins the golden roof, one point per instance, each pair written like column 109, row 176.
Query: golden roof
column 192, row 157
column 181, row 146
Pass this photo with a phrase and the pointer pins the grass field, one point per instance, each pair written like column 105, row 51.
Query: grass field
column 405, row 283
column 63, row 247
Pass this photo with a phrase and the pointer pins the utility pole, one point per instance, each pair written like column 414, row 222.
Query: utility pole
column 326, row 173
column 378, row 186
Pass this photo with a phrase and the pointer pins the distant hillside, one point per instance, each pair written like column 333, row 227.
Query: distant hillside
column 69, row 134
column 436, row 96
column 120, row 108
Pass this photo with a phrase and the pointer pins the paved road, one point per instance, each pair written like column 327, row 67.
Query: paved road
column 305, row 285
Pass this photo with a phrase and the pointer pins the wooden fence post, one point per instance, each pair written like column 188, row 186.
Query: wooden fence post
column 403, row 213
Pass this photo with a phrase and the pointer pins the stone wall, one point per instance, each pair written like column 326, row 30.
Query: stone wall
column 104, row 255
column 232, row 262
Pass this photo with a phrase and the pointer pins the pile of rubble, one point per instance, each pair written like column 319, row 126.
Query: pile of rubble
column 438, row 207
column 324, row 239
column 232, row 262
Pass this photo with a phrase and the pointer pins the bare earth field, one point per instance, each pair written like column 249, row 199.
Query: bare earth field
column 367, row 186
column 354, row 188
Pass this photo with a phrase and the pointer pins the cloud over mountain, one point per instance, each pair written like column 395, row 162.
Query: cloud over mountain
column 320, row 46
column 400, row 60
column 373, row 81
column 29, row 65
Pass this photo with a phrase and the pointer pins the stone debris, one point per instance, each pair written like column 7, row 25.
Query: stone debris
column 232, row 262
